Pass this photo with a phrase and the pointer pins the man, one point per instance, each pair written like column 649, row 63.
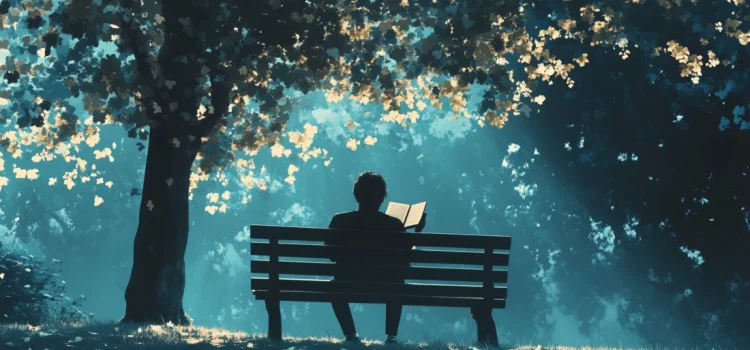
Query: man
column 370, row 192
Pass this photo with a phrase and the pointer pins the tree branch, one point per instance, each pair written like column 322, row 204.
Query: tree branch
column 146, row 82
column 220, row 91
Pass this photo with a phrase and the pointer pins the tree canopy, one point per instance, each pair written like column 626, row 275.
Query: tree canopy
column 114, row 57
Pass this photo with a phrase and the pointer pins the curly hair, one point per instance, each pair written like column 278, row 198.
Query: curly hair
column 370, row 189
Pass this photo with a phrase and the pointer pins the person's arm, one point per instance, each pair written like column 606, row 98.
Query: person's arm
column 403, row 244
column 422, row 223
column 334, row 224
column 420, row 226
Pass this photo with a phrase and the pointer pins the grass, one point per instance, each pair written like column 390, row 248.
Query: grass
column 111, row 335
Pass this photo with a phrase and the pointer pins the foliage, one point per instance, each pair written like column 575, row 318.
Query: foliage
column 650, row 150
column 402, row 55
column 32, row 292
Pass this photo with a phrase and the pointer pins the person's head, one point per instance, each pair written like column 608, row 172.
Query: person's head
column 370, row 190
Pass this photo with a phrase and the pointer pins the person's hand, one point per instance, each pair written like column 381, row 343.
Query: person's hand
column 421, row 224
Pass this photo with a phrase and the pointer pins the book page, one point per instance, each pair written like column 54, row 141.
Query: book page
column 415, row 214
column 398, row 210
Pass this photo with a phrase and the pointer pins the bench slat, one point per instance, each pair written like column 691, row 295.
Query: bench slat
column 380, row 299
column 406, row 289
column 423, row 239
column 378, row 271
column 415, row 256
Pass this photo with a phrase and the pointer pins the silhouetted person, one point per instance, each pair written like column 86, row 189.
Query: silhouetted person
column 370, row 192
column 486, row 331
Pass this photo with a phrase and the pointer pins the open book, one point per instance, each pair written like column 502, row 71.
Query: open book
column 408, row 214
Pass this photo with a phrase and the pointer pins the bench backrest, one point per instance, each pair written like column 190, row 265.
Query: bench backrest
column 479, row 251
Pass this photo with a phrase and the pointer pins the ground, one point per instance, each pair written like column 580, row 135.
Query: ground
column 111, row 335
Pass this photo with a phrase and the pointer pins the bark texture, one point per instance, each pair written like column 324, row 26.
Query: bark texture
column 157, row 280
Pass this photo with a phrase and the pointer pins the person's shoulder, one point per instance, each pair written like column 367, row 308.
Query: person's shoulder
column 342, row 219
column 343, row 215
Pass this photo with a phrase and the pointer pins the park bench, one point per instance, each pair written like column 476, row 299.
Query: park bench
column 270, row 244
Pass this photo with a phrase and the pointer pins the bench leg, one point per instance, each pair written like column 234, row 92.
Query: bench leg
column 486, row 329
column 273, row 308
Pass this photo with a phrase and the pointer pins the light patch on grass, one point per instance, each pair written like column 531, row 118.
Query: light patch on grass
column 112, row 335
column 142, row 336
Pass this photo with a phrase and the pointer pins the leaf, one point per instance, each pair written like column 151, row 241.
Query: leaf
column 11, row 77
column 352, row 144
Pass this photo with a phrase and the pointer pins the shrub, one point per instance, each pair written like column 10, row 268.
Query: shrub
column 31, row 293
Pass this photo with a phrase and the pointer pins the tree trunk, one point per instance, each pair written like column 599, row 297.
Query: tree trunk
column 157, row 280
